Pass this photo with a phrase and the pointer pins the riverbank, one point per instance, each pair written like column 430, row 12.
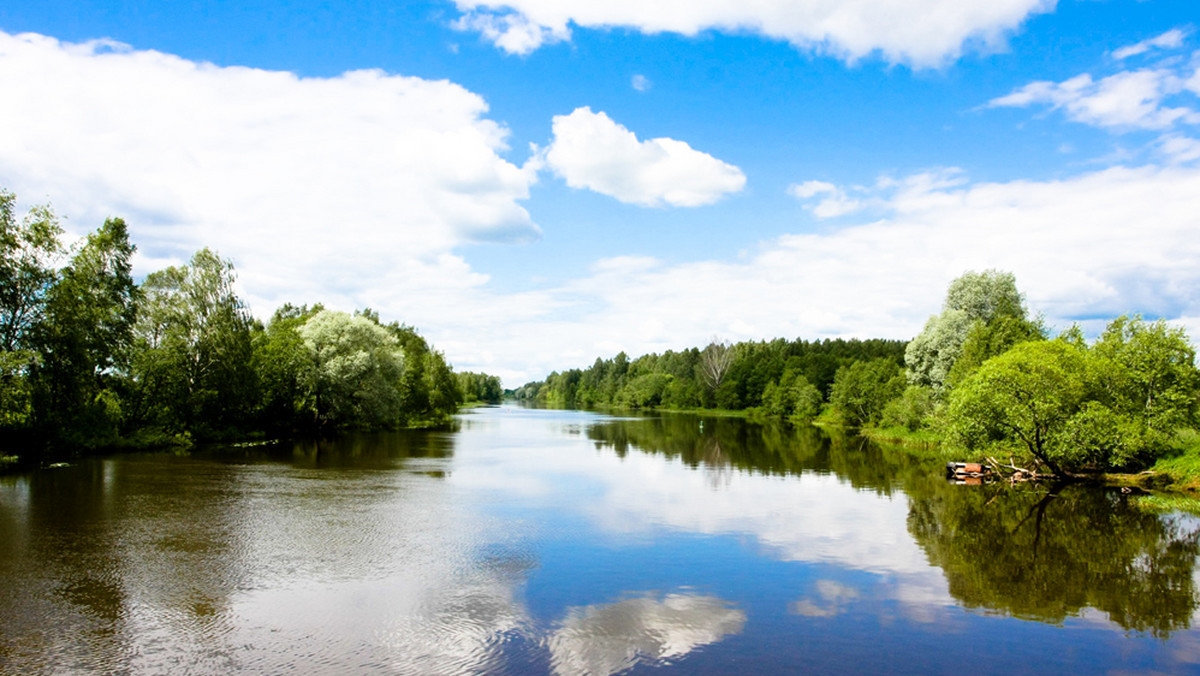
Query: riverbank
column 1177, row 473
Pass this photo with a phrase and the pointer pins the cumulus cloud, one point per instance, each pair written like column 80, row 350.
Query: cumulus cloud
column 920, row 33
column 592, row 151
column 337, row 189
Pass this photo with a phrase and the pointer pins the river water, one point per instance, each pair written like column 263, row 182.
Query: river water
column 537, row 541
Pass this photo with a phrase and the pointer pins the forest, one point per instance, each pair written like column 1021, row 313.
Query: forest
column 89, row 359
column 983, row 378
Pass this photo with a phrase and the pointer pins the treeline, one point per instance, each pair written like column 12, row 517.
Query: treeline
column 90, row 359
column 983, row 375
column 786, row 378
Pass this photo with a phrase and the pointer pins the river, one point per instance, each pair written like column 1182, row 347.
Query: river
column 537, row 541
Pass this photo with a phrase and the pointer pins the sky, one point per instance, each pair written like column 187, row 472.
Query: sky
column 533, row 184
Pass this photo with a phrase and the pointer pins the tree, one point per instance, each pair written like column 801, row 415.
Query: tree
column 282, row 364
column 1117, row 404
column 1147, row 371
column 355, row 371
column 429, row 392
column 193, row 367
column 1025, row 396
column 982, row 316
column 912, row 410
column 27, row 254
column 715, row 361
column 792, row 397
column 479, row 387
column 85, row 338
column 862, row 389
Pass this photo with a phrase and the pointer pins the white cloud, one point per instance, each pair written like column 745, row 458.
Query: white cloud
column 1100, row 244
column 833, row 202
column 1179, row 149
column 592, row 151
column 919, row 32
column 641, row 83
column 1127, row 100
column 348, row 190
column 1145, row 98
column 614, row 637
column 513, row 33
column 1172, row 39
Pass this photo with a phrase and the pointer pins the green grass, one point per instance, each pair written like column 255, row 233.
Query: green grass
column 1183, row 465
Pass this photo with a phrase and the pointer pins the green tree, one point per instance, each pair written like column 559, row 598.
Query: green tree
column 85, row 339
column 355, row 372
column 982, row 316
column 1117, row 404
column 479, row 387
column 1147, row 371
column 913, row 409
column 28, row 251
column 429, row 392
column 194, row 349
column 792, row 397
column 282, row 364
column 1026, row 397
column 862, row 389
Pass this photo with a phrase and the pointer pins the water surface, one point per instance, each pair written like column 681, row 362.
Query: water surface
column 534, row 541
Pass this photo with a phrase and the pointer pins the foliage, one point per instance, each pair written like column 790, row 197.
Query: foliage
column 1118, row 404
column 353, row 372
column 912, row 410
column 192, row 365
column 1047, row 555
column 479, row 387
column 1025, row 396
column 792, row 397
column 90, row 359
column 27, row 253
column 983, row 316
column 85, row 339
column 862, row 389
column 764, row 375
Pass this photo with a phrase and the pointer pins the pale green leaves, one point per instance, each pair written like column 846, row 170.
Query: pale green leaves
column 356, row 366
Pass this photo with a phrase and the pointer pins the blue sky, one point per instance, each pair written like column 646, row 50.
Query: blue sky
column 535, row 183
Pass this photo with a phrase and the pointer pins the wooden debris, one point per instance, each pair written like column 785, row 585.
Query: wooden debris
column 967, row 473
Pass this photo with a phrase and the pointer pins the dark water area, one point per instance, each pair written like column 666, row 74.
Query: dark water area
column 537, row 541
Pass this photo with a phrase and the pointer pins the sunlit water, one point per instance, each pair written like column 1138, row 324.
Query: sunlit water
column 533, row 541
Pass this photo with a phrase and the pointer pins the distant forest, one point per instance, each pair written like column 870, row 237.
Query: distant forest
column 733, row 377
column 983, row 377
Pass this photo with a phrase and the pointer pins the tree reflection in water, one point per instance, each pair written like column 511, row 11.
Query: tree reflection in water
column 1036, row 552
column 1049, row 552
